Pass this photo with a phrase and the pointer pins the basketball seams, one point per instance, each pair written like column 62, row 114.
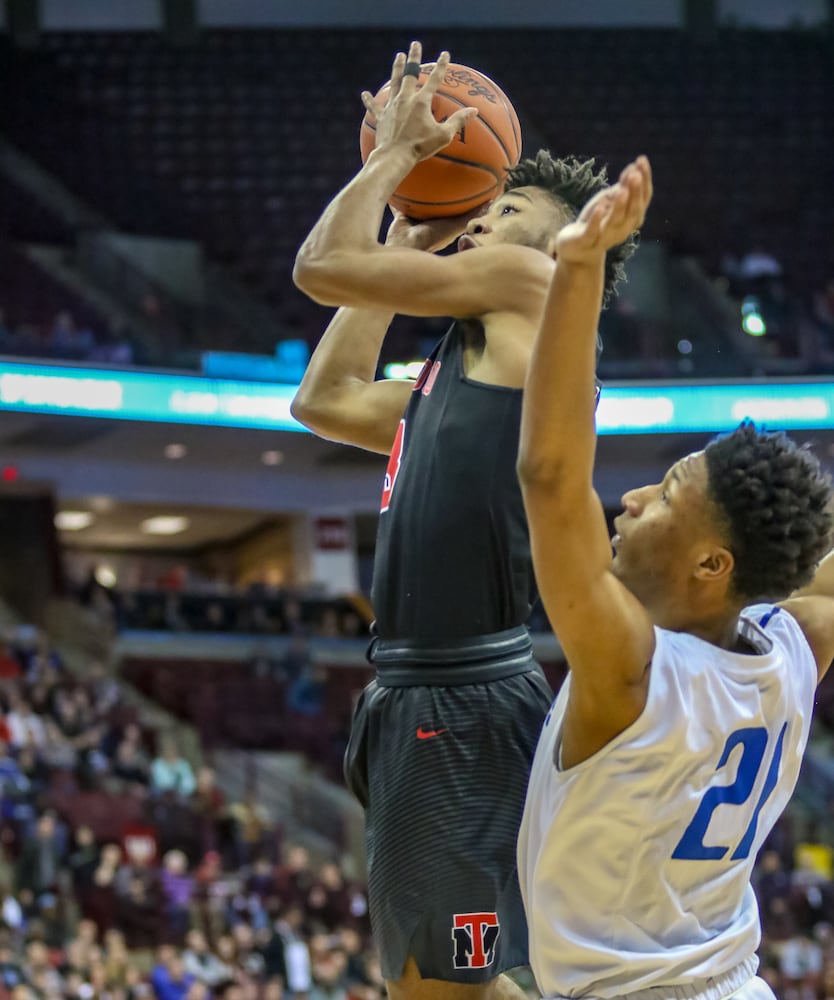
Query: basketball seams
column 511, row 115
column 480, row 120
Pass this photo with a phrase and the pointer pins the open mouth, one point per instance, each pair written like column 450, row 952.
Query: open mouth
column 466, row 243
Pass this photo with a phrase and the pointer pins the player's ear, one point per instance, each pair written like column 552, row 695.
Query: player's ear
column 715, row 564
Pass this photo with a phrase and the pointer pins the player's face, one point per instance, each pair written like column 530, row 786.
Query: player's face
column 664, row 533
column 525, row 216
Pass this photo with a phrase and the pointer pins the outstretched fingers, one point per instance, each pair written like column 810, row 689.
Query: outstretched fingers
column 437, row 74
column 408, row 81
column 397, row 73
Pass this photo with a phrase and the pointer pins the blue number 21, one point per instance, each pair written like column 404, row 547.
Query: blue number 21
column 754, row 743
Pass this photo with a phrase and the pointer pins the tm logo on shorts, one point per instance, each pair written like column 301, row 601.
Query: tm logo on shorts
column 474, row 936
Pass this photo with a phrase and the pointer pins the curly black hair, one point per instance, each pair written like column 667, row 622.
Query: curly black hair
column 572, row 183
column 777, row 504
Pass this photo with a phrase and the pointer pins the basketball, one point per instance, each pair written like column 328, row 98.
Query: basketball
column 471, row 170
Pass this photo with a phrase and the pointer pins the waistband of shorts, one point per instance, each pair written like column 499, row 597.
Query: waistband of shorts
column 473, row 660
column 712, row 988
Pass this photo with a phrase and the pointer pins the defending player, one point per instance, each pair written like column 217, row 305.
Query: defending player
column 442, row 740
column 676, row 741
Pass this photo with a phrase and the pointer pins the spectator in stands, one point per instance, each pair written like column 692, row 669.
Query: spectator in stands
column 202, row 963
column 169, row 979
column 11, row 912
column 177, row 891
column 209, row 804
column 11, row 969
column 271, row 948
column 10, row 668
column 131, row 762
column 67, row 340
column 251, row 828
column 117, row 959
column 39, row 971
column 100, row 901
column 293, row 876
column 83, row 860
column 328, row 624
column 328, row 901
column 40, row 860
column 289, row 926
column 249, row 960
column 293, row 619
column 25, row 728
column 137, row 915
column 305, row 695
column 33, row 770
column 14, row 786
column 170, row 772
column 296, row 659
column 329, row 968
column 103, row 690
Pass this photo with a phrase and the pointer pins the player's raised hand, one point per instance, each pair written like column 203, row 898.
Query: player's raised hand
column 610, row 217
column 406, row 121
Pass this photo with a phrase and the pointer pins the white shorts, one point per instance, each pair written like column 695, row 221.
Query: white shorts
column 754, row 989
column 740, row 983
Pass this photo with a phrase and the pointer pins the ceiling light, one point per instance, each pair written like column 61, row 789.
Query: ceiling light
column 164, row 525
column 105, row 576
column 175, row 450
column 272, row 457
column 73, row 520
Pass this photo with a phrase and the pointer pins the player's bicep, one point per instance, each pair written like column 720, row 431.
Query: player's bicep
column 605, row 633
column 363, row 414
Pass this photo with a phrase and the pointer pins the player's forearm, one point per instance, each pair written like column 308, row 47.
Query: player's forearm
column 348, row 352
column 558, row 434
column 348, row 229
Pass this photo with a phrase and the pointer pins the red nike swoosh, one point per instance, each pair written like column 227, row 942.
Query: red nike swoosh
column 427, row 734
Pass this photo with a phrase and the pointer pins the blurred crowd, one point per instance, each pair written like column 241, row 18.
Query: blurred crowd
column 795, row 888
column 124, row 872
column 181, row 602
column 64, row 340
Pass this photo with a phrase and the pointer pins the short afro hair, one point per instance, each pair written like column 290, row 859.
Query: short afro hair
column 573, row 182
column 777, row 505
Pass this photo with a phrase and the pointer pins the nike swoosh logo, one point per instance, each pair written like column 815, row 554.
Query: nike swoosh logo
column 427, row 734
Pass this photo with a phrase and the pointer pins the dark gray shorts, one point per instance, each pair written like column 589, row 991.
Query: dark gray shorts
column 439, row 756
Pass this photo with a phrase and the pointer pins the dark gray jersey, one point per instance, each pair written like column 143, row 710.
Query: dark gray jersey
column 453, row 551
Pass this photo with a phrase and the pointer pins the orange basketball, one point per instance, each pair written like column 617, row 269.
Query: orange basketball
column 471, row 169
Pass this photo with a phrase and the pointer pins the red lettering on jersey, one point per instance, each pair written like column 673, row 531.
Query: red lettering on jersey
column 435, row 371
column 393, row 469
column 424, row 374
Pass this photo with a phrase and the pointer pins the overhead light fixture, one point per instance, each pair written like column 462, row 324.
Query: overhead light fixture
column 164, row 525
column 272, row 457
column 105, row 576
column 175, row 450
column 73, row 520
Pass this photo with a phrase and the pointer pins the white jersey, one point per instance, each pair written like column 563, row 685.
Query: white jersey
column 635, row 864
